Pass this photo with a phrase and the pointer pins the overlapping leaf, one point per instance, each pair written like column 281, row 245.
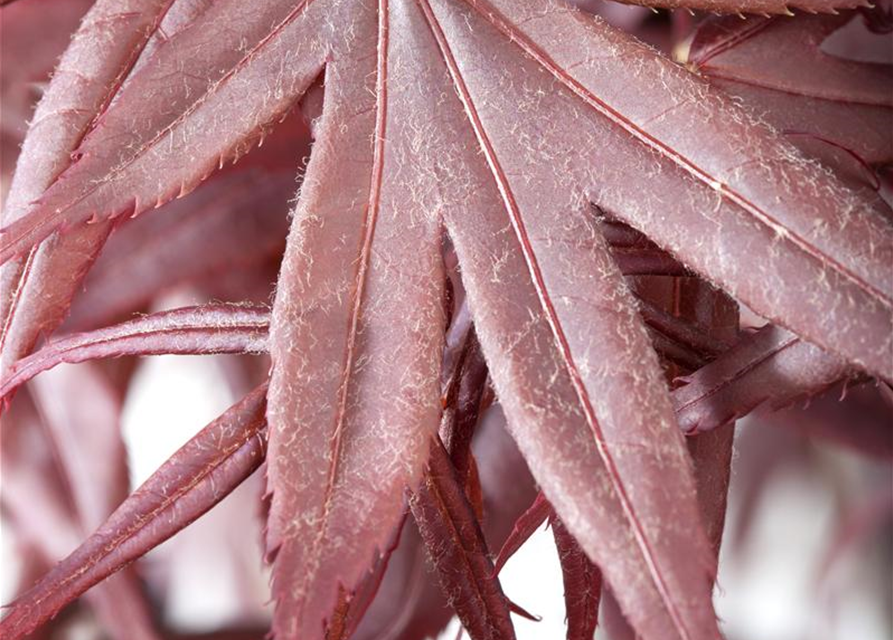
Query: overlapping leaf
column 770, row 366
column 33, row 298
column 778, row 67
column 192, row 481
column 358, row 318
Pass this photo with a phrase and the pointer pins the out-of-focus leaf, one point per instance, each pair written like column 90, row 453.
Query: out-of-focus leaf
column 778, row 67
column 457, row 548
column 82, row 416
column 770, row 366
column 23, row 81
column 192, row 481
column 856, row 417
column 191, row 330
column 582, row 585
column 38, row 500
column 524, row 527
column 230, row 225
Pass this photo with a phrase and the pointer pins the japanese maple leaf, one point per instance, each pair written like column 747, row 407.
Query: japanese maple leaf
column 498, row 123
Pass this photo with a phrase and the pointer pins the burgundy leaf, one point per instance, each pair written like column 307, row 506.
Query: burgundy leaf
column 778, row 67
column 131, row 165
column 857, row 418
column 195, row 478
column 524, row 527
column 33, row 296
column 228, row 225
column 358, row 322
column 582, row 585
column 355, row 392
column 770, row 366
column 755, row 6
column 190, row 330
column 457, row 548
column 538, row 360
column 709, row 182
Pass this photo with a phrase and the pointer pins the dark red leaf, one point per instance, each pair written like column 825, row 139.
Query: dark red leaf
column 457, row 548
column 524, row 527
column 770, row 366
column 582, row 585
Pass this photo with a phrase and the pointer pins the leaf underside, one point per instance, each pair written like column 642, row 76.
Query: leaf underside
column 192, row 481
column 189, row 331
column 357, row 327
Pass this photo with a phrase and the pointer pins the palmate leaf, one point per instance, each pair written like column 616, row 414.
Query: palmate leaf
column 192, row 481
column 358, row 318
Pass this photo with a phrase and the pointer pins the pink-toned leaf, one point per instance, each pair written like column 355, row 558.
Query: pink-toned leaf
column 82, row 416
column 770, row 366
column 23, row 81
column 459, row 552
column 762, row 7
column 582, row 585
column 728, row 193
column 517, row 256
column 192, row 481
column 779, row 68
column 191, row 330
column 857, row 418
column 526, row 525
column 226, row 227
column 38, row 499
column 33, row 296
column 131, row 165
column 357, row 331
